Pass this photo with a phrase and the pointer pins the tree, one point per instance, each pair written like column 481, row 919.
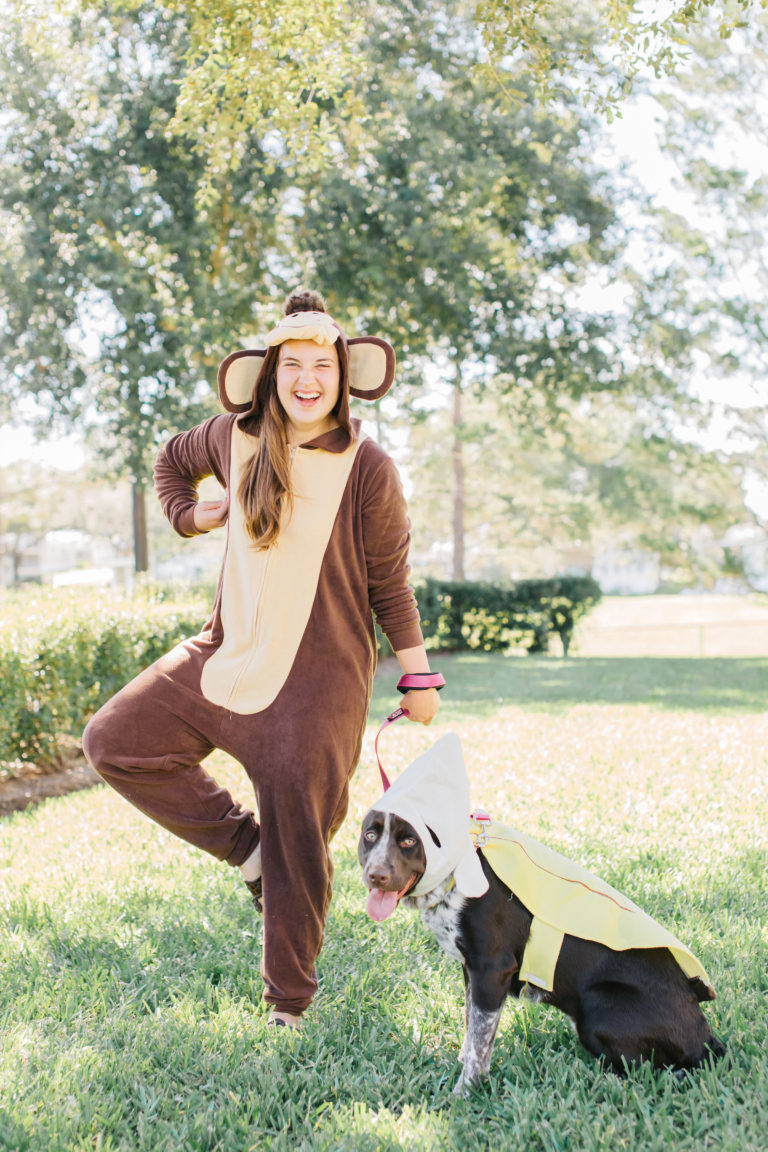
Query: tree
column 713, row 123
column 474, row 234
column 281, row 68
column 543, row 493
column 119, row 293
column 278, row 69
column 468, row 231
column 601, row 49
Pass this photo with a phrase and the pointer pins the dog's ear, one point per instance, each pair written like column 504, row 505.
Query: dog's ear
column 434, row 837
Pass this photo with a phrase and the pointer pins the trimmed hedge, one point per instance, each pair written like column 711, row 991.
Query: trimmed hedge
column 458, row 615
column 62, row 656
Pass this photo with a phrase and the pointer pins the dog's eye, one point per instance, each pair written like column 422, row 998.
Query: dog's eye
column 370, row 836
column 407, row 842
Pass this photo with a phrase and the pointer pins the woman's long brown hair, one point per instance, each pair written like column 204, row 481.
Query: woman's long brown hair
column 265, row 488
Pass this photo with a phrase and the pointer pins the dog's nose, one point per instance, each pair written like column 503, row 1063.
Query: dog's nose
column 378, row 876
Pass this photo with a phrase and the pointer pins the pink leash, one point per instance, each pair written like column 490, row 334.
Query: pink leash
column 396, row 715
column 407, row 682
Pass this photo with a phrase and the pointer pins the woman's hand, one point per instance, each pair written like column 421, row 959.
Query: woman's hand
column 211, row 514
column 421, row 704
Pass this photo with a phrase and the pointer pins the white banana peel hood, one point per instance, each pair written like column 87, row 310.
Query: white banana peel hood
column 432, row 794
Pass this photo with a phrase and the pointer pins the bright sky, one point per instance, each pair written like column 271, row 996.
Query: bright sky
column 19, row 444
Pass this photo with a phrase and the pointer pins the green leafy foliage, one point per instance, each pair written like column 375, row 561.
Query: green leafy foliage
column 457, row 230
column 118, row 294
column 277, row 69
column 601, row 49
column 459, row 615
column 61, row 658
column 282, row 67
column 466, row 227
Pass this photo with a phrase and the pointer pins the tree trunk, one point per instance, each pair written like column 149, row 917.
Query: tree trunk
column 457, row 469
column 16, row 560
column 381, row 431
column 140, row 547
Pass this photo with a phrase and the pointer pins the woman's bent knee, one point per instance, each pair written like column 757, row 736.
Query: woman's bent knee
column 96, row 741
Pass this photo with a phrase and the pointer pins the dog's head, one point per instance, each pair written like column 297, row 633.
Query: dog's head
column 417, row 835
column 393, row 860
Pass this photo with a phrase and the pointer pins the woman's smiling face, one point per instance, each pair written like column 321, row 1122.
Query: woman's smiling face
column 308, row 381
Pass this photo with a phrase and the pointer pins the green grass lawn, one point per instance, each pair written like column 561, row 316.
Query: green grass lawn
column 130, row 994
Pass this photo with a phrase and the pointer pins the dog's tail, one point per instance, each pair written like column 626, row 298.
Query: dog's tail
column 701, row 990
column 714, row 1049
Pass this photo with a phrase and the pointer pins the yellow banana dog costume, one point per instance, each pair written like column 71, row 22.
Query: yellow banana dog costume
column 565, row 898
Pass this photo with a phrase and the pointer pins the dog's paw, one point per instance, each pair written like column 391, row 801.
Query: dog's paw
column 462, row 1088
column 465, row 1084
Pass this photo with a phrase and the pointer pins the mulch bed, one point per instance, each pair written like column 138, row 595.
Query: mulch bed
column 24, row 791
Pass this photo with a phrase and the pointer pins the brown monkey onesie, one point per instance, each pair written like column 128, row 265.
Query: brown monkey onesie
column 280, row 677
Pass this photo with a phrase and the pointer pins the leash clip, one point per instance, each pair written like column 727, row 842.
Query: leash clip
column 481, row 817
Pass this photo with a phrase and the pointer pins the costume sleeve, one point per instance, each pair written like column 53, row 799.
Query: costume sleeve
column 387, row 537
column 186, row 460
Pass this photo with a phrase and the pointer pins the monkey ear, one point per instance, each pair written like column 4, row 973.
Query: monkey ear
column 371, row 367
column 237, row 378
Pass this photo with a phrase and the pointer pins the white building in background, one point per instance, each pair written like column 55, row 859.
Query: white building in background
column 751, row 544
column 69, row 557
column 626, row 572
column 65, row 556
column 191, row 567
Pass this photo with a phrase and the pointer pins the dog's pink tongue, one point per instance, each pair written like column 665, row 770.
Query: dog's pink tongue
column 381, row 904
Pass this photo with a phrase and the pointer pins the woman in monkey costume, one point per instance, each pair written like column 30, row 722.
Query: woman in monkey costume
column 280, row 677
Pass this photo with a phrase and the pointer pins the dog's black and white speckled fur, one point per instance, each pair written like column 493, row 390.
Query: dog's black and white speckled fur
column 630, row 1006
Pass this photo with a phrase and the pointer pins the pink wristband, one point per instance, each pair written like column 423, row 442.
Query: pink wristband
column 419, row 681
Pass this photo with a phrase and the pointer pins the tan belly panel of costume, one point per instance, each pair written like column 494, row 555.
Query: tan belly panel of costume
column 267, row 596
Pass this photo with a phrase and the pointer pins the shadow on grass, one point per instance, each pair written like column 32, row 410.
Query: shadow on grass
column 481, row 683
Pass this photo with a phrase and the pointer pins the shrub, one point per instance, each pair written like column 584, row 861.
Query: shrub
column 466, row 615
column 62, row 656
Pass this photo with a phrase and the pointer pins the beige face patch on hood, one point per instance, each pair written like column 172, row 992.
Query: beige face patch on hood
column 317, row 326
column 432, row 794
